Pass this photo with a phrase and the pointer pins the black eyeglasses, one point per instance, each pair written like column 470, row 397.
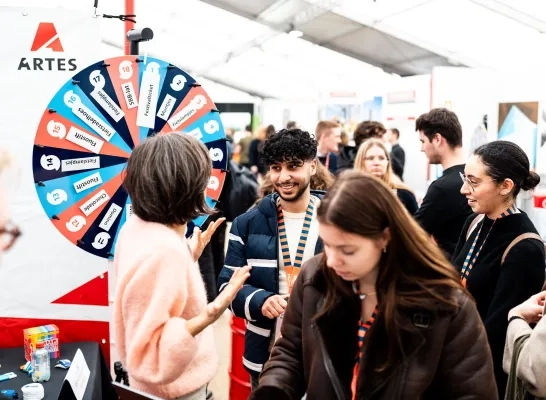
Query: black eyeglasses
column 8, row 236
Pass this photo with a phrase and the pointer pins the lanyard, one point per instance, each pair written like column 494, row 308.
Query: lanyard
column 292, row 269
column 327, row 162
column 471, row 258
column 363, row 327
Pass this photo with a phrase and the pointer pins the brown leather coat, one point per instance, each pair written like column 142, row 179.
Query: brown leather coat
column 447, row 356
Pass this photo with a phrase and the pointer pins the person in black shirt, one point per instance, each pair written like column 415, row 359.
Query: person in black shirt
column 398, row 155
column 493, row 177
column 444, row 209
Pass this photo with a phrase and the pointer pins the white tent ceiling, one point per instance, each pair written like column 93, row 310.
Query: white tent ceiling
column 347, row 45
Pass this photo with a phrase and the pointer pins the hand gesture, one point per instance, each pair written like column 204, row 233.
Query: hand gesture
column 531, row 309
column 199, row 239
column 274, row 306
column 216, row 308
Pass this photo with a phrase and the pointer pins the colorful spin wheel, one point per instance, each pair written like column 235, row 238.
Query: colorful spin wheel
column 89, row 129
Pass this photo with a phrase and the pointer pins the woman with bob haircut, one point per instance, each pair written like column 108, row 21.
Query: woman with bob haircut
column 498, row 271
column 380, row 314
column 161, row 317
column 373, row 158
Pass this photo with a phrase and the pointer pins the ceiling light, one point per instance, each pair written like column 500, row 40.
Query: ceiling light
column 295, row 33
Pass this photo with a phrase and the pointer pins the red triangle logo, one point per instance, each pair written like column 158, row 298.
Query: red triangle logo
column 47, row 33
column 92, row 293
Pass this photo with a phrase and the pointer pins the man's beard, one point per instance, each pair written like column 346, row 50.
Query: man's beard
column 301, row 191
column 434, row 159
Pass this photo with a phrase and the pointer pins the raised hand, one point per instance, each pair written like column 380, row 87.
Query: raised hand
column 199, row 239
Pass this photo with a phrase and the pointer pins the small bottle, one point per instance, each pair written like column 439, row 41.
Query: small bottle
column 41, row 371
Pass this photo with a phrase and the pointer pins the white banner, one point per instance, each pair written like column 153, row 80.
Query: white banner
column 42, row 49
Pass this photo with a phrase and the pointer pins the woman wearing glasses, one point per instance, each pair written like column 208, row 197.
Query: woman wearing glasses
column 8, row 232
column 498, row 277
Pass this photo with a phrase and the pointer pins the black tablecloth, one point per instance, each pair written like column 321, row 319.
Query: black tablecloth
column 99, row 386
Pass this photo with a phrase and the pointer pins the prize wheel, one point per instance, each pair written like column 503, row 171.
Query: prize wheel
column 89, row 129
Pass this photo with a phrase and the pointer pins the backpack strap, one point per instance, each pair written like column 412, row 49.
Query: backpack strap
column 518, row 239
column 473, row 224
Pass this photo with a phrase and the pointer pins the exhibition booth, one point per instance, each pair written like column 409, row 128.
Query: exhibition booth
column 74, row 108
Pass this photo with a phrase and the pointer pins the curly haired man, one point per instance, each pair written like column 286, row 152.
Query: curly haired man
column 276, row 237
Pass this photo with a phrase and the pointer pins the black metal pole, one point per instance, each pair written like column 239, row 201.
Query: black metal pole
column 135, row 36
column 133, row 47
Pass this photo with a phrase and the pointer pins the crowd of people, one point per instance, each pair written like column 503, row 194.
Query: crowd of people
column 351, row 288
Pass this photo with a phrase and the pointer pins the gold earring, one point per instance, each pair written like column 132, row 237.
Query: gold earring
column 385, row 249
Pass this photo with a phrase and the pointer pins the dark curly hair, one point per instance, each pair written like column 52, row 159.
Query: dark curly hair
column 367, row 130
column 289, row 145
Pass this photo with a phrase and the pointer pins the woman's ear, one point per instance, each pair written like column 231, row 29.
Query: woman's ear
column 385, row 237
column 506, row 187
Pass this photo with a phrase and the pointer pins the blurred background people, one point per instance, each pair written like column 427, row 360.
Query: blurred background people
column 364, row 131
column 328, row 136
column 254, row 154
column 244, row 147
column 373, row 158
column 291, row 124
column 398, row 155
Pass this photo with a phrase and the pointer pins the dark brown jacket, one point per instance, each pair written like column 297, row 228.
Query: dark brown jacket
column 447, row 355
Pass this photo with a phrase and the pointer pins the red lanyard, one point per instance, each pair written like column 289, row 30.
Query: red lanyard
column 363, row 327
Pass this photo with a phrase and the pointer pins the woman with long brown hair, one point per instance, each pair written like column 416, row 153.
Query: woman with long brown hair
column 380, row 315
column 373, row 158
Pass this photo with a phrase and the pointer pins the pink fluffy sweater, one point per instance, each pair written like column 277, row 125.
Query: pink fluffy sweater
column 158, row 288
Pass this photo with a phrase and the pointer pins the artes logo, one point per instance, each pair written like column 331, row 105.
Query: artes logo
column 47, row 36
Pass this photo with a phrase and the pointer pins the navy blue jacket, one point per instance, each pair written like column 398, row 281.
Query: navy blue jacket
column 253, row 240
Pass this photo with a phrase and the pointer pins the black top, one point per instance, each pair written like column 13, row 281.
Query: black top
column 498, row 288
column 332, row 161
column 408, row 200
column 444, row 209
column 346, row 158
column 255, row 157
column 398, row 156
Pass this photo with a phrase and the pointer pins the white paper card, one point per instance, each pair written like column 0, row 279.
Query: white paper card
column 88, row 182
column 78, row 375
column 129, row 94
column 149, row 93
column 85, row 140
column 166, row 107
column 110, row 217
column 94, row 202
